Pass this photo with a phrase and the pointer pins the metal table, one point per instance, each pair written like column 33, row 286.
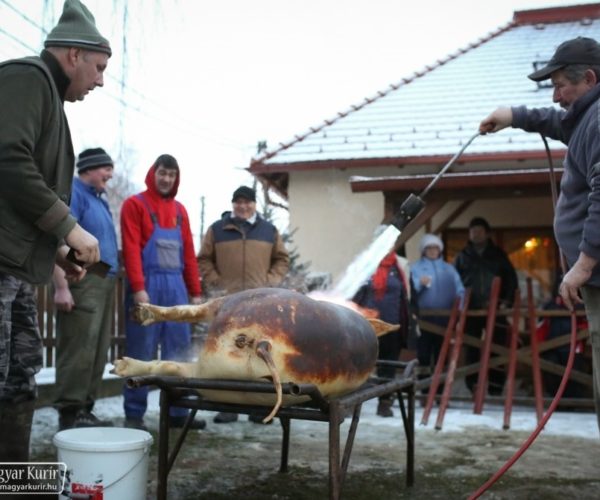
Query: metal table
column 176, row 391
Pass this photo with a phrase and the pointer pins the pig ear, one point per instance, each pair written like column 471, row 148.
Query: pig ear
column 381, row 327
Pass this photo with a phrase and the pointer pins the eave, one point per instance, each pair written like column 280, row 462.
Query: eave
column 259, row 168
column 523, row 179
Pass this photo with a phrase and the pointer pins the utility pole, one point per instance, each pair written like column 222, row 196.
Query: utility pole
column 201, row 218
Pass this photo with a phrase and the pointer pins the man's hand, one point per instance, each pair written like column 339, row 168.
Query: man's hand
column 499, row 119
column 63, row 300
column 85, row 245
column 72, row 272
column 577, row 276
column 141, row 297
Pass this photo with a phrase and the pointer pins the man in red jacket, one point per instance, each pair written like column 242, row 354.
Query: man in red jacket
column 160, row 264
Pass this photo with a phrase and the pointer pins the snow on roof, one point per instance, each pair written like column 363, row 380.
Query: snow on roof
column 434, row 111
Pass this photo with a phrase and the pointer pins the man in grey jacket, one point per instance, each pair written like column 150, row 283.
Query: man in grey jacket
column 575, row 73
column 36, row 227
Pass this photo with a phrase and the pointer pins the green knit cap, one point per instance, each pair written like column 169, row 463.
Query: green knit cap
column 77, row 28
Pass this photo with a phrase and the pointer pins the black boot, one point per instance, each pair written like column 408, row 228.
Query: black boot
column 179, row 422
column 384, row 407
column 225, row 417
column 66, row 418
column 15, row 430
column 85, row 418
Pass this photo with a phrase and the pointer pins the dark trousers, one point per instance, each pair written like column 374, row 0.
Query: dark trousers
column 552, row 381
column 496, row 377
column 429, row 345
column 390, row 346
column 83, row 340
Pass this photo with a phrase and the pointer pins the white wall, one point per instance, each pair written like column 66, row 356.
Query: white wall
column 334, row 224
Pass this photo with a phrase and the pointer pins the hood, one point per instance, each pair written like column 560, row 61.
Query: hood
column 150, row 184
column 430, row 240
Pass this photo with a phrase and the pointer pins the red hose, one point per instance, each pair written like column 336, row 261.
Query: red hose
column 567, row 373
column 542, row 422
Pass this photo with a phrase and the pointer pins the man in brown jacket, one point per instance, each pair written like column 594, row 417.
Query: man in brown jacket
column 241, row 251
column 36, row 227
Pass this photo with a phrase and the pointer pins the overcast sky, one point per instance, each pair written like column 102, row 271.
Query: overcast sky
column 206, row 80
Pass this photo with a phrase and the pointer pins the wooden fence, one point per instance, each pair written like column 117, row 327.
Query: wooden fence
column 47, row 322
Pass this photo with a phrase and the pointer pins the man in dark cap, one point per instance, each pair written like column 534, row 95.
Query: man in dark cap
column 241, row 251
column 85, row 310
column 478, row 264
column 36, row 227
column 574, row 71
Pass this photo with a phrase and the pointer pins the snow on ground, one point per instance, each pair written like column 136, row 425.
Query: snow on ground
column 459, row 417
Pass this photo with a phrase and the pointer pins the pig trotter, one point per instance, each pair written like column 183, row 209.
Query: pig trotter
column 143, row 314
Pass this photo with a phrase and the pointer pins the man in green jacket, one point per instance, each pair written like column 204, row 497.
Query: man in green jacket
column 36, row 227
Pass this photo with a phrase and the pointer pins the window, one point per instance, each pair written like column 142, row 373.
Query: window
column 532, row 251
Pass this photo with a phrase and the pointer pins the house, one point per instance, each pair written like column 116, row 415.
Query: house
column 349, row 174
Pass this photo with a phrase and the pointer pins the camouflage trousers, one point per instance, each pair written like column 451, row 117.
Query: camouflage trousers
column 20, row 340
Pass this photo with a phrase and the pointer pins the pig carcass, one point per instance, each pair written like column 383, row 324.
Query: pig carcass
column 272, row 335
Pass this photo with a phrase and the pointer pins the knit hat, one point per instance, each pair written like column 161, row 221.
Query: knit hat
column 93, row 158
column 77, row 28
column 480, row 221
column 430, row 240
column 244, row 192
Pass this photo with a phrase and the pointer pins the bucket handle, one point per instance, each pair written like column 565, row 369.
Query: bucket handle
column 130, row 469
column 83, row 496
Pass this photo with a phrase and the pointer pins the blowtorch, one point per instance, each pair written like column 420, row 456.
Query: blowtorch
column 413, row 204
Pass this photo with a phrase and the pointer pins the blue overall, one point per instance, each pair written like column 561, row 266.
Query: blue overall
column 162, row 263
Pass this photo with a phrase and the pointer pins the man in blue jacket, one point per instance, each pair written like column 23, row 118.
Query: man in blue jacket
column 85, row 310
column 574, row 71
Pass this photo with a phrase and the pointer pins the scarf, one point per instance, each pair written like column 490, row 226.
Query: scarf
column 381, row 275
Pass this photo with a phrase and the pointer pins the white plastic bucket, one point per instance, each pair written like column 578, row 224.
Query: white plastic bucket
column 108, row 463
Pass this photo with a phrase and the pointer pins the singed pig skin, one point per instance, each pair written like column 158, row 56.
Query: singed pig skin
column 308, row 341
column 311, row 342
